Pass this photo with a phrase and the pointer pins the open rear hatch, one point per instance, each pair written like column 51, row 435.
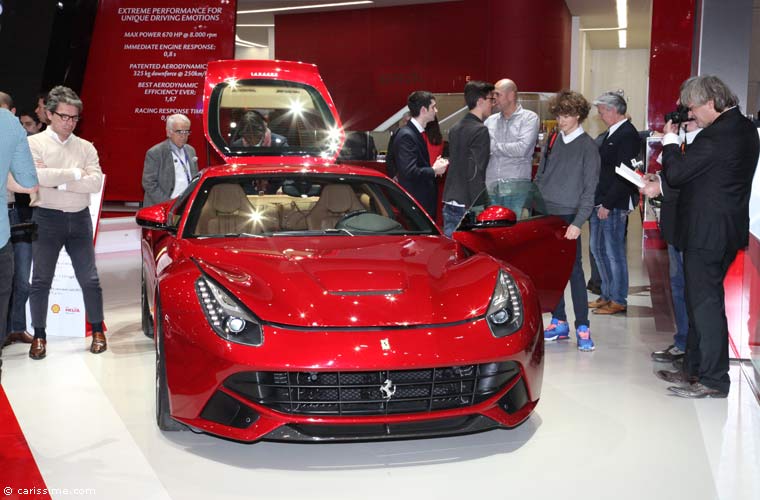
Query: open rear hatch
column 264, row 112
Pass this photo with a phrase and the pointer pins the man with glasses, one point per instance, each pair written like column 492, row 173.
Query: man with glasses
column 469, row 144
column 514, row 131
column 68, row 169
column 171, row 164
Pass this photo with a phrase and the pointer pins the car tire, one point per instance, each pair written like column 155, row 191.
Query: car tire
column 147, row 319
column 163, row 416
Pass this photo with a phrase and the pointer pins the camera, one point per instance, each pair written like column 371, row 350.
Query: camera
column 680, row 115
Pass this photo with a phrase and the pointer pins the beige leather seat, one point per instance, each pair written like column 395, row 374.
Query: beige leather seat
column 227, row 211
column 335, row 201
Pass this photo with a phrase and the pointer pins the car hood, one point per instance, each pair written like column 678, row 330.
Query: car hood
column 351, row 281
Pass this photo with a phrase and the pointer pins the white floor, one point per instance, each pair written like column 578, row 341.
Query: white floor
column 605, row 428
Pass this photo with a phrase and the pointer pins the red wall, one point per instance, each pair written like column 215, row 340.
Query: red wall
column 124, row 105
column 669, row 56
column 371, row 59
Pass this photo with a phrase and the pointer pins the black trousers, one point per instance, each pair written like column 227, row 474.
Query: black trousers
column 72, row 231
column 707, row 342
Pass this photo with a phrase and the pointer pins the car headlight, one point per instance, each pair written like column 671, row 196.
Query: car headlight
column 227, row 317
column 505, row 312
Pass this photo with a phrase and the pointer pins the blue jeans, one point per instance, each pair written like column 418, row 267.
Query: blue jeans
column 577, row 287
column 608, row 247
column 6, row 278
column 677, row 291
column 56, row 230
column 452, row 216
column 22, row 260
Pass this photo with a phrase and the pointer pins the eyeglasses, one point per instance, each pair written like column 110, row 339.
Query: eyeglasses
column 66, row 118
column 181, row 132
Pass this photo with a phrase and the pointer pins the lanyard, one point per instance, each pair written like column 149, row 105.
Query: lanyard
column 183, row 163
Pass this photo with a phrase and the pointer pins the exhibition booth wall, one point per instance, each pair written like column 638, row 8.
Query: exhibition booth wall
column 371, row 59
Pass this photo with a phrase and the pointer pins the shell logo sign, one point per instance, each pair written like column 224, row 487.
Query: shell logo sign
column 55, row 308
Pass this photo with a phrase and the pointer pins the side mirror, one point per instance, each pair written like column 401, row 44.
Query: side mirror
column 493, row 216
column 154, row 217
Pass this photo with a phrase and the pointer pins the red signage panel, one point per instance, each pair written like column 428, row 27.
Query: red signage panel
column 147, row 61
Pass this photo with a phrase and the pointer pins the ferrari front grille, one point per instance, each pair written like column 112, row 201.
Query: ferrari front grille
column 380, row 392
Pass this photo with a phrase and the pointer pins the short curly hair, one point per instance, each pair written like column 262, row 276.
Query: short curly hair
column 570, row 103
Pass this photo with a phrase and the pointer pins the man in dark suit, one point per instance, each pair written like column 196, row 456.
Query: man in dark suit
column 410, row 152
column 714, row 177
column 614, row 200
column 170, row 164
column 470, row 145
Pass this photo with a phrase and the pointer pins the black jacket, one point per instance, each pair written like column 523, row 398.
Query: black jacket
column 470, row 145
column 613, row 191
column 412, row 161
column 714, row 176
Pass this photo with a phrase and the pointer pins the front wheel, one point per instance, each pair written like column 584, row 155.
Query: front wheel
column 147, row 319
column 163, row 413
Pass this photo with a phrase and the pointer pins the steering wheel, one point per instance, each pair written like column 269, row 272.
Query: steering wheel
column 349, row 215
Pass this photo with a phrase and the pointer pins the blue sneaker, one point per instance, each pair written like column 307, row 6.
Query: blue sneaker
column 557, row 330
column 583, row 334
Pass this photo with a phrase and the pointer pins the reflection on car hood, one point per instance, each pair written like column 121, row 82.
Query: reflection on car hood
column 358, row 282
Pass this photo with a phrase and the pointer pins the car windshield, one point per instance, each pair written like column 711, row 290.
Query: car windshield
column 303, row 205
column 271, row 118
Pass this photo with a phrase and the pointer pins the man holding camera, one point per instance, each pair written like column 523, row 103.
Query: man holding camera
column 668, row 214
column 714, row 177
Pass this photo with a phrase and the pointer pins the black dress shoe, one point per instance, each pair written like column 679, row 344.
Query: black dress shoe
column 676, row 377
column 668, row 355
column 697, row 391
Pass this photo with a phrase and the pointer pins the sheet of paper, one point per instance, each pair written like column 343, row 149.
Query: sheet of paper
column 629, row 175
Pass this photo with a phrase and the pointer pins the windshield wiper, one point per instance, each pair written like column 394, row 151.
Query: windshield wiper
column 336, row 230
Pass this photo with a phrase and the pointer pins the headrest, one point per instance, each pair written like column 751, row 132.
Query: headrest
column 339, row 197
column 227, row 198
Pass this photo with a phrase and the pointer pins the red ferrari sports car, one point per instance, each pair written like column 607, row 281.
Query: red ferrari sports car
column 293, row 298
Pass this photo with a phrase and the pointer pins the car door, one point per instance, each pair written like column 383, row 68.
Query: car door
column 533, row 242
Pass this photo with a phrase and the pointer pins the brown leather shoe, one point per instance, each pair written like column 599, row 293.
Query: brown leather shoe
column 600, row 302
column 697, row 391
column 23, row 337
column 98, row 343
column 37, row 349
column 611, row 308
column 676, row 377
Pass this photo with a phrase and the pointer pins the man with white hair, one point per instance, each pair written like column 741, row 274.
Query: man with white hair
column 170, row 164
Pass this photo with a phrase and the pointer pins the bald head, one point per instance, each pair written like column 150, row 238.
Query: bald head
column 6, row 102
column 505, row 93
column 506, row 85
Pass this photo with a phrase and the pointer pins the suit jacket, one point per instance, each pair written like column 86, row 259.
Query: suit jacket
column 613, row 191
column 413, row 163
column 470, row 146
column 714, row 176
column 158, row 172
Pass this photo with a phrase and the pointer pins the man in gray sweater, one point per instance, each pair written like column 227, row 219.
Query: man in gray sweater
column 567, row 178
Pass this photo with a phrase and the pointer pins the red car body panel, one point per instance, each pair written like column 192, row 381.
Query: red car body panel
column 342, row 304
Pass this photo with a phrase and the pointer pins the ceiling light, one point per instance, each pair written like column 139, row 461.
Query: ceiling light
column 246, row 43
column 302, row 7
column 622, row 13
column 622, row 39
